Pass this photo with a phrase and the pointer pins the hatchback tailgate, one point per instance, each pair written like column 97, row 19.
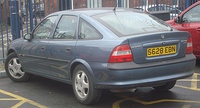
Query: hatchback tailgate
column 158, row 46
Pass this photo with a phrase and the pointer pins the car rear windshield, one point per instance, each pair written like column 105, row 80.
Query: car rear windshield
column 130, row 23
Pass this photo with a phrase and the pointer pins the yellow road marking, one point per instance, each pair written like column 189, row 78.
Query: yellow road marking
column 117, row 103
column 186, row 106
column 134, row 99
column 19, row 104
column 189, row 80
column 189, row 88
column 194, row 86
column 22, row 100
column 194, row 82
column 8, row 99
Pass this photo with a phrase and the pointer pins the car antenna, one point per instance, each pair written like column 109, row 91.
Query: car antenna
column 116, row 14
column 115, row 7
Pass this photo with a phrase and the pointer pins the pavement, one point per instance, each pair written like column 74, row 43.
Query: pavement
column 2, row 70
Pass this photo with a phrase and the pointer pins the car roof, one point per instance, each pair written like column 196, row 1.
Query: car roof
column 95, row 11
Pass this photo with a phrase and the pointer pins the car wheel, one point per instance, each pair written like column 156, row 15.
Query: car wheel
column 14, row 69
column 167, row 86
column 83, row 86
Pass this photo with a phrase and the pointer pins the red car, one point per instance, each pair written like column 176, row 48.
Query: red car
column 189, row 20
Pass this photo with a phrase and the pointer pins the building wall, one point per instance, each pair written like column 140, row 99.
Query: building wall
column 5, row 11
column 80, row 4
column 53, row 5
column 109, row 3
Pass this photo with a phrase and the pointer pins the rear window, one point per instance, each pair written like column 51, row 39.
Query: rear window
column 130, row 23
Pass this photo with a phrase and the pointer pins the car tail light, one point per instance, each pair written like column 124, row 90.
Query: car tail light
column 189, row 46
column 121, row 53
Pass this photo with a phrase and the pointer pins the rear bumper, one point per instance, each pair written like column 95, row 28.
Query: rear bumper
column 143, row 76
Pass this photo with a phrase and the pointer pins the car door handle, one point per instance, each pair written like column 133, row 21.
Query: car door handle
column 68, row 49
column 43, row 48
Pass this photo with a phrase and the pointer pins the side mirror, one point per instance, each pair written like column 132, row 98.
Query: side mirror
column 28, row 36
column 178, row 19
column 175, row 19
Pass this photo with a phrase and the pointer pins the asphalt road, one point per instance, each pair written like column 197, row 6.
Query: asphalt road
column 42, row 93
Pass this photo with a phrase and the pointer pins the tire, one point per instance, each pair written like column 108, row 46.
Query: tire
column 83, row 87
column 14, row 69
column 167, row 86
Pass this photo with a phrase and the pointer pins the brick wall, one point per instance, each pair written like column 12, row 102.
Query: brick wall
column 3, row 14
column 80, row 4
column 109, row 3
column 132, row 3
column 51, row 6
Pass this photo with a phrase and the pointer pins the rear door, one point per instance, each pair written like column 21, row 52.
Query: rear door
column 61, row 48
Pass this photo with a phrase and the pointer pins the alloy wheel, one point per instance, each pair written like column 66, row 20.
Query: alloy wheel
column 82, row 84
column 15, row 68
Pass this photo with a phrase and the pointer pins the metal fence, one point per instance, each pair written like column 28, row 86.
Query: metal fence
column 18, row 17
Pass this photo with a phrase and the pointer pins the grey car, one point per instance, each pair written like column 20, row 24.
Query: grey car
column 103, row 48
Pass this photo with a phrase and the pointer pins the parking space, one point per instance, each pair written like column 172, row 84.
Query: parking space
column 186, row 94
column 43, row 93
column 15, row 101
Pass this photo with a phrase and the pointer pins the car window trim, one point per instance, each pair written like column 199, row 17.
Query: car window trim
column 81, row 20
column 187, row 12
column 50, row 35
column 58, row 23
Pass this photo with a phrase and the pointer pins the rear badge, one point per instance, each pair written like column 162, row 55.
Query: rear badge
column 162, row 36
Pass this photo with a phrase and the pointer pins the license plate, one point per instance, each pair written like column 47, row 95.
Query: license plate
column 159, row 51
